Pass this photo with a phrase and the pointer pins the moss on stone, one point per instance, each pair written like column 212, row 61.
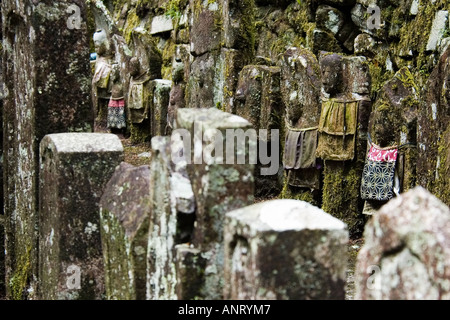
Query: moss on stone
column 22, row 272
column 168, row 53
column 341, row 194
column 441, row 186
column 302, row 194
column 133, row 21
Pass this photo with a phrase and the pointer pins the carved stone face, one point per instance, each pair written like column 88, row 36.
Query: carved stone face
column 331, row 70
column 134, row 67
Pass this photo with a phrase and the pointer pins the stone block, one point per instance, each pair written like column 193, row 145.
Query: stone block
column 172, row 219
column 205, row 28
column 47, row 90
column 437, row 30
column 239, row 26
column 433, row 132
column 406, row 255
column 161, row 24
column 125, row 210
column 219, row 185
column 284, row 250
column 75, row 168
column 190, row 266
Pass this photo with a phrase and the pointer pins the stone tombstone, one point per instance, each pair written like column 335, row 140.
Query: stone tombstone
column 342, row 139
column 47, row 82
column 258, row 100
column 433, row 132
column 393, row 125
column 190, row 265
column 75, row 168
column 222, row 180
column 283, row 250
column 406, row 254
column 300, row 88
column 171, row 222
column 125, row 210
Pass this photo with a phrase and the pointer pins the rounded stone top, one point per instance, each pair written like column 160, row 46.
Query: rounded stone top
column 285, row 215
column 83, row 142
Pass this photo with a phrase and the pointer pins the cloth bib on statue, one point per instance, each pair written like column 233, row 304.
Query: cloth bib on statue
column 378, row 176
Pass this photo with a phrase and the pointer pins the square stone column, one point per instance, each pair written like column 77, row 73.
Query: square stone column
column 284, row 249
column 74, row 170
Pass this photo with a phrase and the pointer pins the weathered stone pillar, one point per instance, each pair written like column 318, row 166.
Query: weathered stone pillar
column 220, row 184
column 284, row 249
column 171, row 221
column 258, row 100
column 406, row 255
column 124, row 216
column 75, row 168
column 433, row 134
column 2, row 216
column 47, row 90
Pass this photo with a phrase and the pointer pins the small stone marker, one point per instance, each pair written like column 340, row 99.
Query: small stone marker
column 74, row 170
column 284, row 249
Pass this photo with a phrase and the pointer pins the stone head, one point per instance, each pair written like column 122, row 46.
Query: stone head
column 101, row 42
column 332, row 73
column 135, row 67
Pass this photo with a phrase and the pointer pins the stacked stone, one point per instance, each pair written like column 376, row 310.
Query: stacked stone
column 47, row 81
column 74, row 171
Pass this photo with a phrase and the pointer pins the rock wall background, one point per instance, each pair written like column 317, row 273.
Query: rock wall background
column 229, row 55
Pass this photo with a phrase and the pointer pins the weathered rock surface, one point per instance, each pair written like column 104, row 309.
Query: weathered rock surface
column 284, row 249
column 219, row 184
column 406, row 253
column 46, row 90
column 75, row 168
column 433, row 132
column 125, row 210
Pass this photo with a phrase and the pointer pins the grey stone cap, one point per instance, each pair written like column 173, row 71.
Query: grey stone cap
column 83, row 142
column 210, row 118
column 284, row 215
